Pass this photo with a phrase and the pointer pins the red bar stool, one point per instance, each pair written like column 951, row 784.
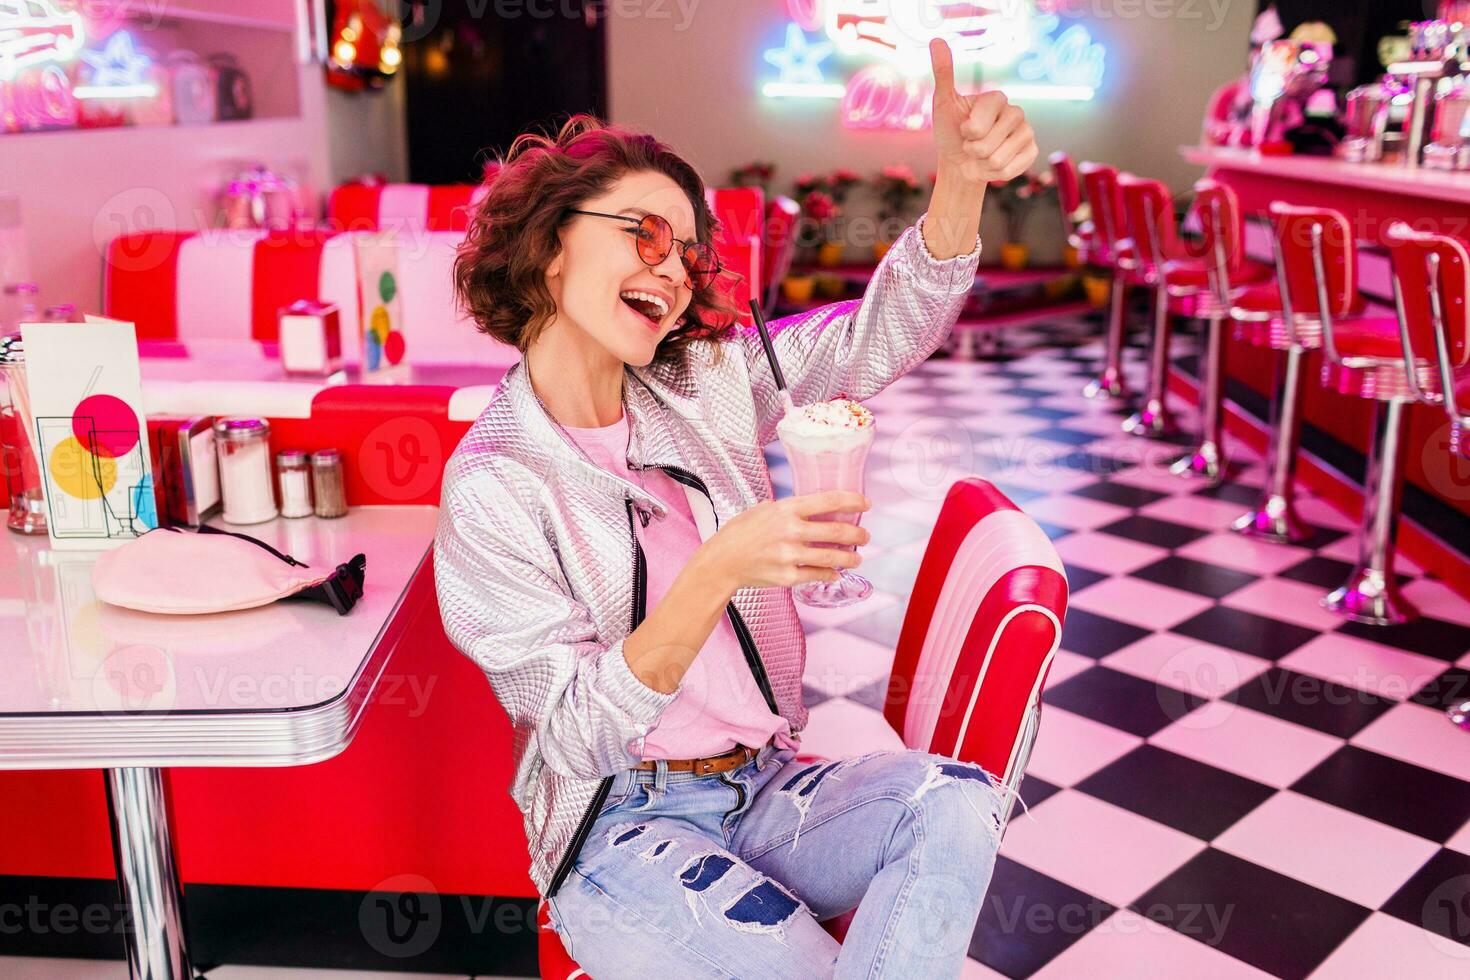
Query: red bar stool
column 1110, row 249
column 1228, row 273
column 1285, row 316
column 1394, row 361
column 1078, row 231
column 1180, row 283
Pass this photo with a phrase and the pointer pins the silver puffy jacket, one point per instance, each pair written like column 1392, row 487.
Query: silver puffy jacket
column 540, row 576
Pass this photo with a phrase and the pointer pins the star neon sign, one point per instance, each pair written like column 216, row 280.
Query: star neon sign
column 118, row 71
column 893, row 90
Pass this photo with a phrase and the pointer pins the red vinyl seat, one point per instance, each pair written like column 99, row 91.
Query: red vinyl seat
column 981, row 630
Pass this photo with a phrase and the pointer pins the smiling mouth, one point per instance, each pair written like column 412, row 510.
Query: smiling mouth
column 648, row 310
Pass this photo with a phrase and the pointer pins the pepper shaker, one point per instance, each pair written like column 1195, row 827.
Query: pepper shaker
column 326, row 483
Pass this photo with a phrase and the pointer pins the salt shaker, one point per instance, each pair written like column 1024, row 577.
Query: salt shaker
column 293, row 481
column 245, row 469
column 326, row 483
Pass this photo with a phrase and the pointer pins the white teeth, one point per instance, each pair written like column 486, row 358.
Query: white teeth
column 659, row 301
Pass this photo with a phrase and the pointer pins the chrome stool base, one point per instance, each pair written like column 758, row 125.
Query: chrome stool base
column 1371, row 597
column 1206, row 462
column 1109, row 386
column 1274, row 520
column 1460, row 715
column 1153, row 421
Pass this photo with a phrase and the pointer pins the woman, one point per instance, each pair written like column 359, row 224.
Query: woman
column 609, row 553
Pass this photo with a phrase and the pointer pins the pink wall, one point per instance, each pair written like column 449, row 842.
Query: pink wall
column 701, row 93
column 78, row 189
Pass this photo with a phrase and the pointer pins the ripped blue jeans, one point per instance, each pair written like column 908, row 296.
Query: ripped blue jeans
column 728, row 875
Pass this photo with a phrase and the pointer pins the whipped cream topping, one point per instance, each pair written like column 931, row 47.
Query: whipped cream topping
column 838, row 421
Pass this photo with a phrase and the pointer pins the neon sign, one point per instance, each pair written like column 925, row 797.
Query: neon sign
column 119, row 71
column 893, row 89
column 36, row 32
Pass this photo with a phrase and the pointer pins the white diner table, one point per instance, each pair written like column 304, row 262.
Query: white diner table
column 86, row 685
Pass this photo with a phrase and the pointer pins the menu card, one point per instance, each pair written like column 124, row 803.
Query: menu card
column 86, row 414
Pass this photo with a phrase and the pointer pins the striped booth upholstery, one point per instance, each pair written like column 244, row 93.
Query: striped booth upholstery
column 220, row 284
column 982, row 627
column 406, row 207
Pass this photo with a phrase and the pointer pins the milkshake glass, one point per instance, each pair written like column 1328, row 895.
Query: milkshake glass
column 827, row 445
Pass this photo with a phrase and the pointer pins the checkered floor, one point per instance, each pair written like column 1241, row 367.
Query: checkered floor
column 1229, row 781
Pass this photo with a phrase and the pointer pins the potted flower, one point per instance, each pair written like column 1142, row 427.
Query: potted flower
column 818, row 210
column 821, row 209
column 897, row 187
column 1017, row 199
column 841, row 182
column 755, row 174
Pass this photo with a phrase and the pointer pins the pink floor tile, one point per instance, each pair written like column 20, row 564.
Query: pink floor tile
column 1461, row 841
column 838, row 662
column 1013, row 451
column 1065, row 665
column 1187, row 664
column 1107, row 552
column 1387, row 947
column 1005, row 425
column 1140, row 853
column 1320, row 513
column 1129, row 945
column 1439, row 600
column 1142, row 603
column 1362, row 664
column 1340, row 852
column 1052, row 479
column 975, row 970
column 840, row 729
column 1286, row 600
column 1420, row 735
column 1247, row 742
column 918, row 510
column 1196, row 511
column 815, row 619
column 1069, row 748
column 1077, row 513
column 1247, row 554
column 1346, row 549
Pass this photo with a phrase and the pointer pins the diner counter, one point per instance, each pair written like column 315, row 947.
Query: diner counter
column 1438, row 185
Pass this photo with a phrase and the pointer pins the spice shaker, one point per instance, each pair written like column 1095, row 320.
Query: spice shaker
column 293, row 481
column 244, row 449
column 326, row 483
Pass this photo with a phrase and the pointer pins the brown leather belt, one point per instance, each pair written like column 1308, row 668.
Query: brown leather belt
column 733, row 759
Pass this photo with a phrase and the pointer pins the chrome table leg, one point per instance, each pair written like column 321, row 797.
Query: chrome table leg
column 142, row 846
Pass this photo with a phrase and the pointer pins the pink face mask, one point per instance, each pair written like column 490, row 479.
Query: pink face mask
column 177, row 571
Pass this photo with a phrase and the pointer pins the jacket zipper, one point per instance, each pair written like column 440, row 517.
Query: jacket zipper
column 742, row 632
column 584, row 826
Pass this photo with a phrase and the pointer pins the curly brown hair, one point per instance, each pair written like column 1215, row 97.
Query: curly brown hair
column 514, row 232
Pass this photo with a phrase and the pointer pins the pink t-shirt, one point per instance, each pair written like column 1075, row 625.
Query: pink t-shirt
column 718, row 705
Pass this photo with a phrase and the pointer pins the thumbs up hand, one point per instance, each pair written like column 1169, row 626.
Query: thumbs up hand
column 982, row 138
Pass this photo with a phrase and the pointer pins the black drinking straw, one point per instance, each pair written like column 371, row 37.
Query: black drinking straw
column 760, row 324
